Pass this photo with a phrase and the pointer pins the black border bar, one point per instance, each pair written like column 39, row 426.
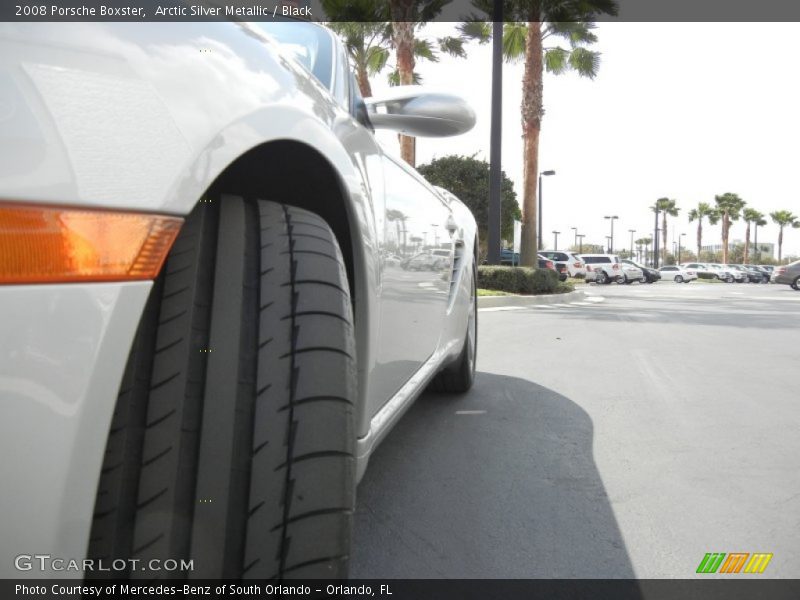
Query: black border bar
column 364, row 10
column 416, row 589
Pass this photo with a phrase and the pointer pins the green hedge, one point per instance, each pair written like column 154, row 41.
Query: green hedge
column 520, row 280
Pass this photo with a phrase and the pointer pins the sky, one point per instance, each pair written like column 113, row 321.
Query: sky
column 682, row 110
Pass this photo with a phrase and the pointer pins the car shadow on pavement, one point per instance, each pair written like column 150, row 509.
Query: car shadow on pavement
column 512, row 492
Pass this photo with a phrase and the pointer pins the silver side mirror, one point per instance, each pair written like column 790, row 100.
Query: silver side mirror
column 412, row 110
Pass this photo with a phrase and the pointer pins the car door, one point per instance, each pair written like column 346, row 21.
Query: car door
column 414, row 293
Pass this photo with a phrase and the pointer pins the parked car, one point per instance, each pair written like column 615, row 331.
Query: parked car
column 631, row 273
column 427, row 261
column 678, row 274
column 602, row 268
column 201, row 347
column 788, row 274
column 729, row 274
column 559, row 267
column 765, row 273
column 741, row 274
column 754, row 275
column 702, row 269
column 575, row 265
column 509, row 257
column 562, row 270
column 709, row 271
column 651, row 275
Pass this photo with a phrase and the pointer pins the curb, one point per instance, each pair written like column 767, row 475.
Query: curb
column 495, row 301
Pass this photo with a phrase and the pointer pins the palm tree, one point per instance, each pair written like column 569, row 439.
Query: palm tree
column 750, row 215
column 370, row 29
column 368, row 47
column 704, row 209
column 642, row 242
column 407, row 16
column 669, row 208
column 782, row 218
column 525, row 37
column 729, row 207
column 399, row 218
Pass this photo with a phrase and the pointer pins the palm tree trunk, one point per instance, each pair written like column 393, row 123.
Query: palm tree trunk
column 531, row 112
column 780, row 243
column 699, row 236
column 746, row 242
column 403, row 34
column 364, row 85
column 664, row 238
column 725, row 226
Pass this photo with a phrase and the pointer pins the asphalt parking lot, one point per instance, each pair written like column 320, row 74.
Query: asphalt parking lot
column 623, row 438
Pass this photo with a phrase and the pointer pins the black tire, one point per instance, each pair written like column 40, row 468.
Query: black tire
column 232, row 443
column 601, row 277
column 678, row 278
column 459, row 376
column 796, row 283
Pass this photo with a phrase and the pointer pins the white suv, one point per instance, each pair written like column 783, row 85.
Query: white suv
column 603, row 268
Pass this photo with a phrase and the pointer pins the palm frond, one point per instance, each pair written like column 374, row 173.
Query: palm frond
column 556, row 60
column 423, row 49
column 376, row 58
column 585, row 62
column 514, row 35
column 577, row 10
column 454, row 46
column 394, row 78
column 361, row 11
column 576, row 32
column 478, row 30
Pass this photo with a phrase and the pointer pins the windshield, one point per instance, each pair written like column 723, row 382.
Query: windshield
column 307, row 43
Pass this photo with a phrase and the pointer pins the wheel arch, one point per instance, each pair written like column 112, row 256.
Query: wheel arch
column 292, row 171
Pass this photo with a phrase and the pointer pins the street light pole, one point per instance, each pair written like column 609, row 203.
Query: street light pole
column 555, row 240
column 655, row 241
column 541, row 194
column 611, row 245
column 632, row 231
column 608, row 243
column 575, row 229
column 679, row 246
column 495, row 135
column 580, row 240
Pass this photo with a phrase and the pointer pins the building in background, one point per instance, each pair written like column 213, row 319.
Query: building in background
column 766, row 249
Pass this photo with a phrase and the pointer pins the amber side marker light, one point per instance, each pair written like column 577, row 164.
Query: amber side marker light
column 46, row 244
